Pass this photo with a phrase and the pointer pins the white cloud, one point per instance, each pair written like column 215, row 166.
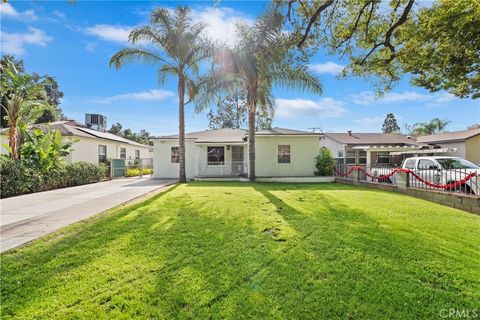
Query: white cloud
column 323, row 108
column 59, row 14
column 15, row 43
column 143, row 96
column 221, row 22
column 327, row 68
column 368, row 98
column 369, row 120
column 114, row 33
column 6, row 10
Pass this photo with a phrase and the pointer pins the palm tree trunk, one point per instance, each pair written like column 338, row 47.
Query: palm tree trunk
column 13, row 114
column 181, row 127
column 251, row 141
column 12, row 141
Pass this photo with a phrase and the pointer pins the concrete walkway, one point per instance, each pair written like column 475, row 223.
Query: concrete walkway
column 27, row 217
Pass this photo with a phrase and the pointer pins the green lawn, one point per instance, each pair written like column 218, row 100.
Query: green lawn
column 239, row 250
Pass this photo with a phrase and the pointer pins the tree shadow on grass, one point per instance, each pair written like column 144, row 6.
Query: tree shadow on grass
column 27, row 270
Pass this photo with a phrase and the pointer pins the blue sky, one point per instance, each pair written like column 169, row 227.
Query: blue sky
column 75, row 42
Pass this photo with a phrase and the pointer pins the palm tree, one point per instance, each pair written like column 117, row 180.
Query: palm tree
column 177, row 45
column 24, row 101
column 258, row 61
column 435, row 126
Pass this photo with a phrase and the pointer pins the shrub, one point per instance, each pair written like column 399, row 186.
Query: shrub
column 324, row 162
column 17, row 177
column 84, row 172
column 134, row 172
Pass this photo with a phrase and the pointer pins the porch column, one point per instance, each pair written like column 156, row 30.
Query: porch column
column 369, row 158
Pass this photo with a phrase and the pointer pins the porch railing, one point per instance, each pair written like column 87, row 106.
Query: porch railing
column 221, row 169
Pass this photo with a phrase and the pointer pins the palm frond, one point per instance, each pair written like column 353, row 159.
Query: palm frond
column 142, row 55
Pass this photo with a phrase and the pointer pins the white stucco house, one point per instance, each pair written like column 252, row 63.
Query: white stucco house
column 91, row 145
column 280, row 153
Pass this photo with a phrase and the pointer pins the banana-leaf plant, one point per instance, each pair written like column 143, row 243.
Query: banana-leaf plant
column 44, row 149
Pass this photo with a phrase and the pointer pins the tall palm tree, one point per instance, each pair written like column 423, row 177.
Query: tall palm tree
column 24, row 100
column 177, row 45
column 258, row 61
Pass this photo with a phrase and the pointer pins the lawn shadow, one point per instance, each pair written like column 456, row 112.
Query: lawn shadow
column 79, row 241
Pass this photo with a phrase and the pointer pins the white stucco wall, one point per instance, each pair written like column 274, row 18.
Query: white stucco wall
column 460, row 149
column 333, row 146
column 162, row 165
column 303, row 150
column 86, row 149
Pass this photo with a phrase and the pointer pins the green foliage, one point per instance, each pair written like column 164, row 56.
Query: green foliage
column 52, row 91
column 324, row 162
column 44, row 149
column 435, row 126
column 390, row 124
column 135, row 172
column 437, row 44
column 142, row 137
column 284, row 251
column 81, row 172
column 23, row 99
column 19, row 177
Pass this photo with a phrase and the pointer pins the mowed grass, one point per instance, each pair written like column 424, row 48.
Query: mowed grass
column 259, row 251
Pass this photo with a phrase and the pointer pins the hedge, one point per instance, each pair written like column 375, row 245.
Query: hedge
column 17, row 178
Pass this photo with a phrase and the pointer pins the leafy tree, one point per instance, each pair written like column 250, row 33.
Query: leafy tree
column 435, row 126
column 116, row 129
column 260, row 59
column 387, row 41
column 177, row 45
column 142, row 137
column 324, row 162
column 390, row 124
column 52, row 90
column 24, row 101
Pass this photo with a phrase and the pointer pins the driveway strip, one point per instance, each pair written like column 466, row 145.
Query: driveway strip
column 27, row 217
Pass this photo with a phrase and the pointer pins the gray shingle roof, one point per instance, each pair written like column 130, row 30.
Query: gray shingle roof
column 450, row 136
column 74, row 128
column 233, row 135
column 371, row 138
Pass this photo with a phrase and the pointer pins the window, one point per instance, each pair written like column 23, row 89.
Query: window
column 351, row 157
column 175, row 155
column 284, row 153
column 123, row 153
column 102, row 153
column 424, row 164
column 216, row 155
column 383, row 158
column 362, row 157
column 137, row 154
column 410, row 164
column 340, row 154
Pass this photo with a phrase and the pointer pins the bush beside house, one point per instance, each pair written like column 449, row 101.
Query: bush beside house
column 135, row 172
column 16, row 177
column 324, row 162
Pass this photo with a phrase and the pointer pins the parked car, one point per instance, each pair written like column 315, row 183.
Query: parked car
column 439, row 170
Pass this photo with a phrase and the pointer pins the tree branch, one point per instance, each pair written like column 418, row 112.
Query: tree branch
column 312, row 20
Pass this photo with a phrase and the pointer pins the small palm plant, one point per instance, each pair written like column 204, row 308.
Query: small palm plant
column 260, row 59
column 177, row 46
column 24, row 102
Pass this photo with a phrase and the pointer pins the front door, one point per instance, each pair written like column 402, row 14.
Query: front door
column 237, row 161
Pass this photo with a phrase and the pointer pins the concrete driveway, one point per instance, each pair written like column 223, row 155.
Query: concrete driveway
column 27, row 217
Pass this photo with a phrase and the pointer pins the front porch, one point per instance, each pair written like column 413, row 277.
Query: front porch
column 220, row 161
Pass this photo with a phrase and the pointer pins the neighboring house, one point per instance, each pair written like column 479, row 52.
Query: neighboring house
column 466, row 142
column 92, row 145
column 224, row 153
column 369, row 149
